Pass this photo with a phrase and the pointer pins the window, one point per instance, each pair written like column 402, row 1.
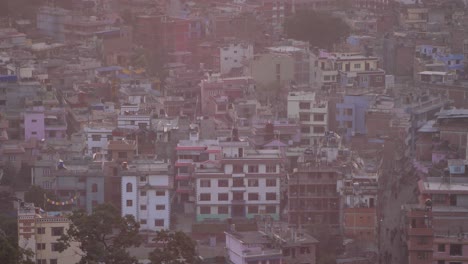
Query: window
column 142, row 178
column 441, row 248
column 205, row 196
column 57, row 231
column 271, row 168
column 271, row 209
column 223, row 210
column 271, row 196
column 455, row 250
column 305, row 129
column 34, row 133
column 53, row 261
column 143, row 221
column 319, row 117
column 223, row 196
column 96, row 137
column 54, row 246
column 423, row 255
column 305, row 117
column 160, row 207
column 278, row 69
column 129, row 187
column 95, row 149
column 238, row 182
column 40, row 246
column 143, row 207
column 357, row 66
column 237, row 196
column 33, row 121
column 319, row 129
column 238, row 168
column 41, row 230
column 94, row 188
column 252, row 182
column 253, row 169
column 457, row 62
column 271, row 182
column 304, row 105
column 253, row 196
column 143, row 193
column 109, row 137
column 122, row 155
column 41, row 261
column 129, row 203
column 252, row 209
column 160, row 193
column 378, row 79
column 223, row 183
column 158, row 222
column 205, row 183
column 205, row 210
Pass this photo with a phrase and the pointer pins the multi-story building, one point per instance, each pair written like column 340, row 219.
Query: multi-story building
column 39, row 232
column 146, row 186
column 234, row 55
column 45, row 124
column 50, row 21
column 311, row 113
column 359, row 71
column 192, row 153
column 322, row 69
column 97, row 138
column 275, row 244
column 247, row 184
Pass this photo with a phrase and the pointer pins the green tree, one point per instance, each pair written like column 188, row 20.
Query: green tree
column 9, row 175
column 319, row 29
column 103, row 235
column 37, row 195
column 175, row 248
column 10, row 252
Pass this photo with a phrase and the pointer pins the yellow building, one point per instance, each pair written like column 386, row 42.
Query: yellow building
column 39, row 231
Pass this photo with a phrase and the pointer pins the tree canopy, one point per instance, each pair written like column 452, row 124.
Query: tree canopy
column 174, row 248
column 320, row 29
column 103, row 235
column 10, row 252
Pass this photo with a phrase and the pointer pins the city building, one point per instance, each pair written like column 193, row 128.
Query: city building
column 39, row 232
column 146, row 193
column 311, row 113
column 247, row 185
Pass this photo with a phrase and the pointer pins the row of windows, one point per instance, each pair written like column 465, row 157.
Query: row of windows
column 238, row 182
column 306, row 117
column 253, row 168
column 252, row 209
column 129, row 188
column 157, row 222
column 316, row 129
column 269, row 196
column 55, row 231
column 129, row 203
column 42, row 246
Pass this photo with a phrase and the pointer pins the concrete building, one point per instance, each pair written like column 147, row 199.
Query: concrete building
column 351, row 114
column 234, row 55
column 323, row 73
column 359, row 71
column 311, row 113
column 39, row 232
column 40, row 123
column 272, row 68
column 246, row 186
column 146, row 186
column 97, row 138
column 50, row 21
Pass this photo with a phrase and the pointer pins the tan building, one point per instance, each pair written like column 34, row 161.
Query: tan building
column 39, row 232
column 272, row 68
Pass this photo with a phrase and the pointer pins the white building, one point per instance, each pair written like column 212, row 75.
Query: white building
column 146, row 188
column 246, row 186
column 311, row 113
column 132, row 116
column 97, row 139
column 234, row 55
column 322, row 69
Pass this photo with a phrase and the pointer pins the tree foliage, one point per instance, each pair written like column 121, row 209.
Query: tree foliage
column 174, row 248
column 103, row 235
column 10, row 252
column 37, row 195
column 319, row 29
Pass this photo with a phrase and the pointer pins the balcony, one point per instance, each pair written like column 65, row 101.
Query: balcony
column 420, row 232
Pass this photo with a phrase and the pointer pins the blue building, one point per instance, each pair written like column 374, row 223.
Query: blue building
column 351, row 114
